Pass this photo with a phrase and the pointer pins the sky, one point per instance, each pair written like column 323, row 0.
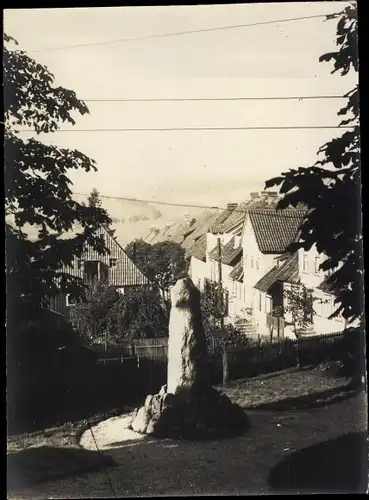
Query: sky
column 203, row 167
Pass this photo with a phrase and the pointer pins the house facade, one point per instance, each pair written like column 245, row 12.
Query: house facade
column 314, row 278
column 258, row 267
column 116, row 268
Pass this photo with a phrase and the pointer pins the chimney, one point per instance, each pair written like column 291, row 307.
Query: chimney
column 255, row 196
column 232, row 206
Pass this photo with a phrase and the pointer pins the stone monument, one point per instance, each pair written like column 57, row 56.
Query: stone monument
column 187, row 406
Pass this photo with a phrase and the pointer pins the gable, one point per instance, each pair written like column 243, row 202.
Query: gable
column 124, row 273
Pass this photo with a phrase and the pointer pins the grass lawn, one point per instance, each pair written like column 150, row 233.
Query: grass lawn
column 323, row 446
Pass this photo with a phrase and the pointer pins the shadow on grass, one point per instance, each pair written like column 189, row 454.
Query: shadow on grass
column 39, row 464
column 338, row 465
column 310, row 401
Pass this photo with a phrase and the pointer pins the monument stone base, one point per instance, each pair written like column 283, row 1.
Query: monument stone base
column 186, row 415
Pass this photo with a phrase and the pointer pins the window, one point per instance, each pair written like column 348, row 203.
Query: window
column 246, row 261
column 112, row 262
column 260, row 296
column 81, row 265
column 257, row 264
column 69, row 301
column 252, row 262
column 305, row 265
column 316, row 265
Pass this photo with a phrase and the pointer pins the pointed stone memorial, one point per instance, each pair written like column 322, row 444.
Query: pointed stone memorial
column 187, row 406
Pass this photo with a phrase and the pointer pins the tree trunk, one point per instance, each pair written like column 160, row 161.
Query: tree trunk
column 297, row 346
column 225, row 365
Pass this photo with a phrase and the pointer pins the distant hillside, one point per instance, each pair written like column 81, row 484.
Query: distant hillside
column 133, row 219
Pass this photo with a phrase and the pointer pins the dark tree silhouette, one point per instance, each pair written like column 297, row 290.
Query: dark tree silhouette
column 94, row 199
column 331, row 187
column 37, row 187
column 163, row 263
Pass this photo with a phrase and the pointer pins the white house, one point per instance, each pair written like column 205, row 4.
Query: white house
column 313, row 278
column 266, row 236
column 257, row 267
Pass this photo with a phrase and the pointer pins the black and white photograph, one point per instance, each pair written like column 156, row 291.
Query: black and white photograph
column 184, row 263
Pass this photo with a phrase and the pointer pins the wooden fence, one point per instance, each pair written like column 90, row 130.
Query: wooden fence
column 150, row 356
column 158, row 348
column 129, row 373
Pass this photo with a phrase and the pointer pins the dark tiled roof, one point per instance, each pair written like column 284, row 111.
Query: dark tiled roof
column 326, row 287
column 230, row 254
column 230, row 218
column 275, row 229
column 236, row 217
column 162, row 235
column 237, row 272
column 288, row 271
column 179, row 230
column 152, row 234
column 200, row 227
column 198, row 248
column 217, row 226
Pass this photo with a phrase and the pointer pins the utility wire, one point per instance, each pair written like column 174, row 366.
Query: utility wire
column 185, row 99
column 154, row 202
column 205, row 30
column 172, row 129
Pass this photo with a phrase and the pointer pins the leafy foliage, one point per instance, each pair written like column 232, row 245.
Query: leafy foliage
column 163, row 263
column 217, row 337
column 91, row 314
column 299, row 303
column 331, row 188
column 37, row 187
column 141, row 313
column 104, row 314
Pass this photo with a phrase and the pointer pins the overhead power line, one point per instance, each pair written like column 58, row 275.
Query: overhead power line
column 168, row 203
column 185, row 99
column 172, row 129
column 164, row 35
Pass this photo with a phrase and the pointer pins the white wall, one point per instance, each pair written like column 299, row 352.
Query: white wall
column 197, row 272
column 255, row 263
column 312, row 277
column 261, row 307
column 323, row 307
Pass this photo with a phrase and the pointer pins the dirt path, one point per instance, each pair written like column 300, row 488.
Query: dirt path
column 236, row 466
column 53, row 452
